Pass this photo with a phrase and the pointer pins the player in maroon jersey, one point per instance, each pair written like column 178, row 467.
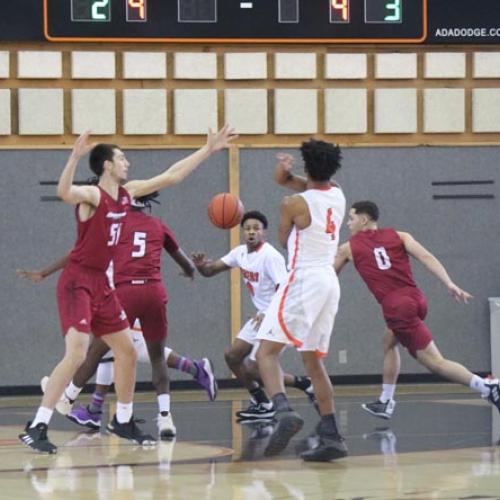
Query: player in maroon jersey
column 86, row 301
column 137, row 277
column 381, row 257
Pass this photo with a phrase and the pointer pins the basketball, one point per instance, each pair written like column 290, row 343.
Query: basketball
column 225, row 210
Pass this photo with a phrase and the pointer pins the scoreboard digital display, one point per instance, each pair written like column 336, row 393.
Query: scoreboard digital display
column 243, row 21
column 426, row 22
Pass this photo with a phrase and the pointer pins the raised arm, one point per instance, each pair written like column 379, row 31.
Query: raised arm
column 207, row 267
column 181, row 169
column 283, row 174
column 65, row 189
column 343, row 257
column 419, row 252
column 37, row 276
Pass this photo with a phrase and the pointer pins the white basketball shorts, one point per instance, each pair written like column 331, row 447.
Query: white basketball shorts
column 303, row 310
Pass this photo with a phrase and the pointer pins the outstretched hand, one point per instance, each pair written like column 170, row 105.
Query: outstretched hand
column 33, row 276
column 198, row 259
column 82, row 145
column 458, row 294
column 283, row 169
column 221, row 139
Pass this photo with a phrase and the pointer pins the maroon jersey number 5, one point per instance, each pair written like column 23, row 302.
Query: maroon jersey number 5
column 139, row 249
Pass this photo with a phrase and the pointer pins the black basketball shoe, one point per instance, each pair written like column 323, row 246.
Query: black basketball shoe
column 289, row 423
column 494, row 395
column 130, row 431
column 36, row 438
column 330, row 447
column 379, row 409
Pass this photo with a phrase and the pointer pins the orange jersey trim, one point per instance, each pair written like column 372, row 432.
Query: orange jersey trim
column 281, row 319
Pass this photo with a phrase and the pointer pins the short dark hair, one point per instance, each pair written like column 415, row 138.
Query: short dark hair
column 254, row 214
column 99, row 154
column 321, row 159
column 367, row 208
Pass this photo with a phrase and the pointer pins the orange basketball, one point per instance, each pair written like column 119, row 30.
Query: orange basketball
column 225, row 210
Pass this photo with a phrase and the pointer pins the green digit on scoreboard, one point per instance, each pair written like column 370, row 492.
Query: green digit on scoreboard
column 395, row 6
column 99, row 10
column 90, row 11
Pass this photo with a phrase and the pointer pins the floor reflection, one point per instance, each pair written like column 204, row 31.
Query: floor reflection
column 437, row 445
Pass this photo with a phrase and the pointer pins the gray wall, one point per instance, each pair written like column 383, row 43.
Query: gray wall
column 35, row 233
column 462, row 233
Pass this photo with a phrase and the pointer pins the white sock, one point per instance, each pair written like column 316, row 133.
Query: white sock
column 388, row 391
column 479, row 384
column 43, row 416
column 124, row 412
column 163, row 402
column 72, row 391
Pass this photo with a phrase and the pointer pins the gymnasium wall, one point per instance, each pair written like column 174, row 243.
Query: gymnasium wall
column 170, row 94
column 460, row 231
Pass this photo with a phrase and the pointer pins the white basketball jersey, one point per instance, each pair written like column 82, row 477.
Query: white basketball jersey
column 262, row 271
column 316, row 245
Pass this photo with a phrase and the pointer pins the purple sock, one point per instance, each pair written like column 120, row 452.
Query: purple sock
column 186, row 365
column 96, row 402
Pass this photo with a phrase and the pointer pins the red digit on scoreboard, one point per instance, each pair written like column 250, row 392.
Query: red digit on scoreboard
column 136, row 10
column 339, row 11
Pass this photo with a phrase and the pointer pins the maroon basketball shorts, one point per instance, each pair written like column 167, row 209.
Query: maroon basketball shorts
column 404, row 311
column 146, row 301
column 87, row 303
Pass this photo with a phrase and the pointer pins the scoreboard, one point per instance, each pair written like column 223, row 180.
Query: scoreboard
column 237, row 20
column 253, row 21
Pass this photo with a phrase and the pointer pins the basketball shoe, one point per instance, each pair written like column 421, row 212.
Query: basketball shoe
column 329, row 447
column 81, row 415
column 166, row 427
column 206, row 377
column 257, row 411
column 36, row 438
column 130, row 431
column 289, row 423
column 64, row 405
column 379, row 409
column 494, row 395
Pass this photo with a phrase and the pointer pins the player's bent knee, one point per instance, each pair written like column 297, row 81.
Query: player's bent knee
column 232, row 359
